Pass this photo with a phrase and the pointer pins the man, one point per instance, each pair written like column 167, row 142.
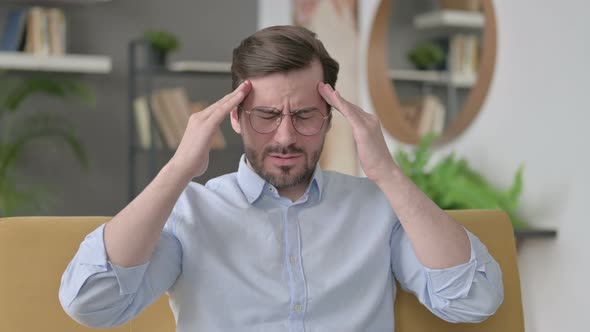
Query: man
column 280, row 245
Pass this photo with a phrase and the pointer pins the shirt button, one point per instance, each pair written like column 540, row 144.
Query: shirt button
column 298, row 307
column 293, row 259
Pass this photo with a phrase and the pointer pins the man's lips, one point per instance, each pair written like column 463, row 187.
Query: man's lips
column 284, row 159
column 283, row 156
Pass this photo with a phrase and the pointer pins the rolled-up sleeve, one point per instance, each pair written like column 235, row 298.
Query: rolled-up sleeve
column 470, row 292
column 97, row 293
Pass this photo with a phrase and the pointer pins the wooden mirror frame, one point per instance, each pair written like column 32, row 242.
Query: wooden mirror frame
column 382, row 91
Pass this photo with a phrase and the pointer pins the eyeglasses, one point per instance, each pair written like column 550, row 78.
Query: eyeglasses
column 265, row 120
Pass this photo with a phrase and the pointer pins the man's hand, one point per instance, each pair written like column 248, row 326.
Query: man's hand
column 372, row 150
column 192, row 156
column 439, row 242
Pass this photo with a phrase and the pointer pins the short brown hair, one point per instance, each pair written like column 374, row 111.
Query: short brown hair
column 279, row 49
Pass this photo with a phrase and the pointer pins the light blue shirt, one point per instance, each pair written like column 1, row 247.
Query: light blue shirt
column 235, row 256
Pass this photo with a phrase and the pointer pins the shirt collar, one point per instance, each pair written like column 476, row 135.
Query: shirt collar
column 252, row 185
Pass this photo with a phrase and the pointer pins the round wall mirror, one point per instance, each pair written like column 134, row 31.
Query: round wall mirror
column 430, row 64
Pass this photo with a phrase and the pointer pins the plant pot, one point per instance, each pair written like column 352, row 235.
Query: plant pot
column 158, row 57
column 467, row 5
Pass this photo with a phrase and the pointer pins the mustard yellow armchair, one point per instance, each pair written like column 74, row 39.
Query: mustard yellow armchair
column 34, row 252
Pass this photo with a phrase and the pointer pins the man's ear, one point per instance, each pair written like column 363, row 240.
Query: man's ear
column 235, row 121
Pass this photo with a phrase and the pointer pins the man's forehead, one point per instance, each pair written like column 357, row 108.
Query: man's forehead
column 276, row 95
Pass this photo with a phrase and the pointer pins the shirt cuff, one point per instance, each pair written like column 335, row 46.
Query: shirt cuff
column 129, row 278
column 455, row 282
column 91, row 259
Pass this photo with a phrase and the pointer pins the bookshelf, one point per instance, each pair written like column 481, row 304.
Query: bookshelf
column 55, row 2
column 460, row 85
column 449, row 19
column 200, row 67
column 461, row 54
column 34, row 38
column 142, row 77
column 533, row 233
column 69, row 63
column 432, row 77
column 187, row 68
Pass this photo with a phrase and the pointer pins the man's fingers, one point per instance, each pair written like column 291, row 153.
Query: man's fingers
column 335, row 100
column 229, row 104
column 221, row 105
column 244, row 87
column 326, row 93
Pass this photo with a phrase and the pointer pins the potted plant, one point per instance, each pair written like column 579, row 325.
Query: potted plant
column 161, row 43
column 19, row 129
column 453, row 184
column 427, row 56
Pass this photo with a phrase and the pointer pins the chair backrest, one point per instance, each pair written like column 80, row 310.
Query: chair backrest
column 494, row 229
column 34, row 252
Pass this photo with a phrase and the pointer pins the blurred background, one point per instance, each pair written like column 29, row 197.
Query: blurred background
column 482, row 102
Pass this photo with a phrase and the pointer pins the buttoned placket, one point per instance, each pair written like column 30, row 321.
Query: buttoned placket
column 293, row 261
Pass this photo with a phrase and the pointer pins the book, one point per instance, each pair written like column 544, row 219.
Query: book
column 463, row 56
column 438, row 121
column 56, row 26
column 172, row 110
column 164, row 121
column 13, row 35
column 37, row 32
column 432, row 116
column 426, row 114
column 143, row 122
column 178, row 109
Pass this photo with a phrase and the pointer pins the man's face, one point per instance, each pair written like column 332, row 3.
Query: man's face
column 283, row 157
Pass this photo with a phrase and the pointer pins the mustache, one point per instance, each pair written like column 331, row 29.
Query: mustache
column 283, row 150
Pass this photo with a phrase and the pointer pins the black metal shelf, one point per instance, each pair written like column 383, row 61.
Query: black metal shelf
column 142, row 67
column 162, row 71
column 55, row 2
column 534, row 233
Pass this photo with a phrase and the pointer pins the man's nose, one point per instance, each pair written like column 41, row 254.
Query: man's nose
column 285, row 133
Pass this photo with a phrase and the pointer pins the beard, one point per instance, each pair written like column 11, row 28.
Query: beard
column 287, row 176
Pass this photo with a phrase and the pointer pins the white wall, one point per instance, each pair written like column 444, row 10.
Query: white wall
column 536, row 114
column 273, row 12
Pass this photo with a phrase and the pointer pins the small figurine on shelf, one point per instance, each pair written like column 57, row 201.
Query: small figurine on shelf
column 162, row 43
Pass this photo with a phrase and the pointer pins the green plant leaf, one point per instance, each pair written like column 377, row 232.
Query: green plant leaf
column 37, row 127
column 22, row 202
column 427, row 55
column 516, row 188
column 401, row 157
column 18, row 131
column 452, row 184
column 162, row 40
column 21, row 90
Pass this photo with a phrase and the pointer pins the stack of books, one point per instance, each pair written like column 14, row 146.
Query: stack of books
column 36, row 30
column 171, row 109
column 425, row 114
